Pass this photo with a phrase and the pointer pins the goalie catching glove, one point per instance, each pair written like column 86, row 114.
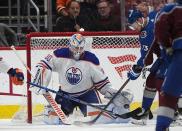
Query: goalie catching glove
column 17, row 76
column 123, row 99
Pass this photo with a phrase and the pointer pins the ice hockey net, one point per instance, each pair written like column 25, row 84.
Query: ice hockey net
column 101, row 43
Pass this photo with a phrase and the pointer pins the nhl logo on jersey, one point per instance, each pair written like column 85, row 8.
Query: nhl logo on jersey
column 73, row 75
column 143, row 34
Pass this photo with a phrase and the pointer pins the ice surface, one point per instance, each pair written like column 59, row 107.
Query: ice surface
column 7, row 125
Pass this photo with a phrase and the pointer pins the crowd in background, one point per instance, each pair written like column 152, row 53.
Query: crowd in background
column 97, row 15
column 101, row 15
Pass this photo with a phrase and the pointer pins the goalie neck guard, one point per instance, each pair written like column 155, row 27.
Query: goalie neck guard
column 77, row 45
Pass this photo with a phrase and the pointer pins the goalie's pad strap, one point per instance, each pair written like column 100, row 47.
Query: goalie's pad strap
column 56, row 108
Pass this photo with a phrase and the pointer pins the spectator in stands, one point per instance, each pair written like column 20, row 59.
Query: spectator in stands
column 116, row 8
column 158, row 6
column 161, row 1
column 130, row 4
column 86, row 6
column 105, row 20
column 170, row 1
column 143, row 8
column 74, row 21
column 61, row 7
column 7, row 36
column 149, row 4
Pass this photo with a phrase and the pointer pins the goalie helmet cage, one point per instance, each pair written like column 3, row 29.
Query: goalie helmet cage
column 51, row 41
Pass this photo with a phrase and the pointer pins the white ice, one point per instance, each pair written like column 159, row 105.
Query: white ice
column 7, row 125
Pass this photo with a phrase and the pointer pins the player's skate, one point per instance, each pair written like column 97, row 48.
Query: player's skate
column 166, row 129
column 141, row 118
column 177, row 118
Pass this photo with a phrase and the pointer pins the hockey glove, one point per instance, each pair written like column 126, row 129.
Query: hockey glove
column 134, row 72
column 17, row 76
column 123, row 99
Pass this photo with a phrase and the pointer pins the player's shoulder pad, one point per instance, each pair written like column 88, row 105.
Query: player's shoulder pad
column 91, row 58
column 152, row 14
column 167, row 8
column 63, row 52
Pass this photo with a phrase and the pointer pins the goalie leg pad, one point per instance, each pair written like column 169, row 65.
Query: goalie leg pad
column 66, row 105
column 90, row 97
column 50, row 116
column 107, row 118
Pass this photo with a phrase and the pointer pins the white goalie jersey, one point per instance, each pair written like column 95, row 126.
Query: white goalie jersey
column 75, row 77
column 78, row 77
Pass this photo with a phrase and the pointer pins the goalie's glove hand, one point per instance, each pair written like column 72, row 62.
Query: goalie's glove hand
column 17, row 76
column 146, row 113
column 124, row 99
column 134, row 72
column 37, row 90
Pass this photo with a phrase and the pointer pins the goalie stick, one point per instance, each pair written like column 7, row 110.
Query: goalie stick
column 124, row 116
column 47, row 96
column 111, row 100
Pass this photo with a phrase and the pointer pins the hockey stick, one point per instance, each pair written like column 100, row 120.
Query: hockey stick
column 47, row 96
column 124, row 116
column 111, row 100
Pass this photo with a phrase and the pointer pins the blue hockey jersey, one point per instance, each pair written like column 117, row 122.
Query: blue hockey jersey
column 146, row 37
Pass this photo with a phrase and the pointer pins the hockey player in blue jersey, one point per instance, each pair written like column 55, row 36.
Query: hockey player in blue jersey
column 81, row 76
column 168, row 28
column 155, row 79
column 145, row 26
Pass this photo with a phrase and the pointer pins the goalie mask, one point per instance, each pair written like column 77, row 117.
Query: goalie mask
column 77, row 45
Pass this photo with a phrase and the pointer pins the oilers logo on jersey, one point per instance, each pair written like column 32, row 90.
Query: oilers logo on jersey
column 73, row 75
